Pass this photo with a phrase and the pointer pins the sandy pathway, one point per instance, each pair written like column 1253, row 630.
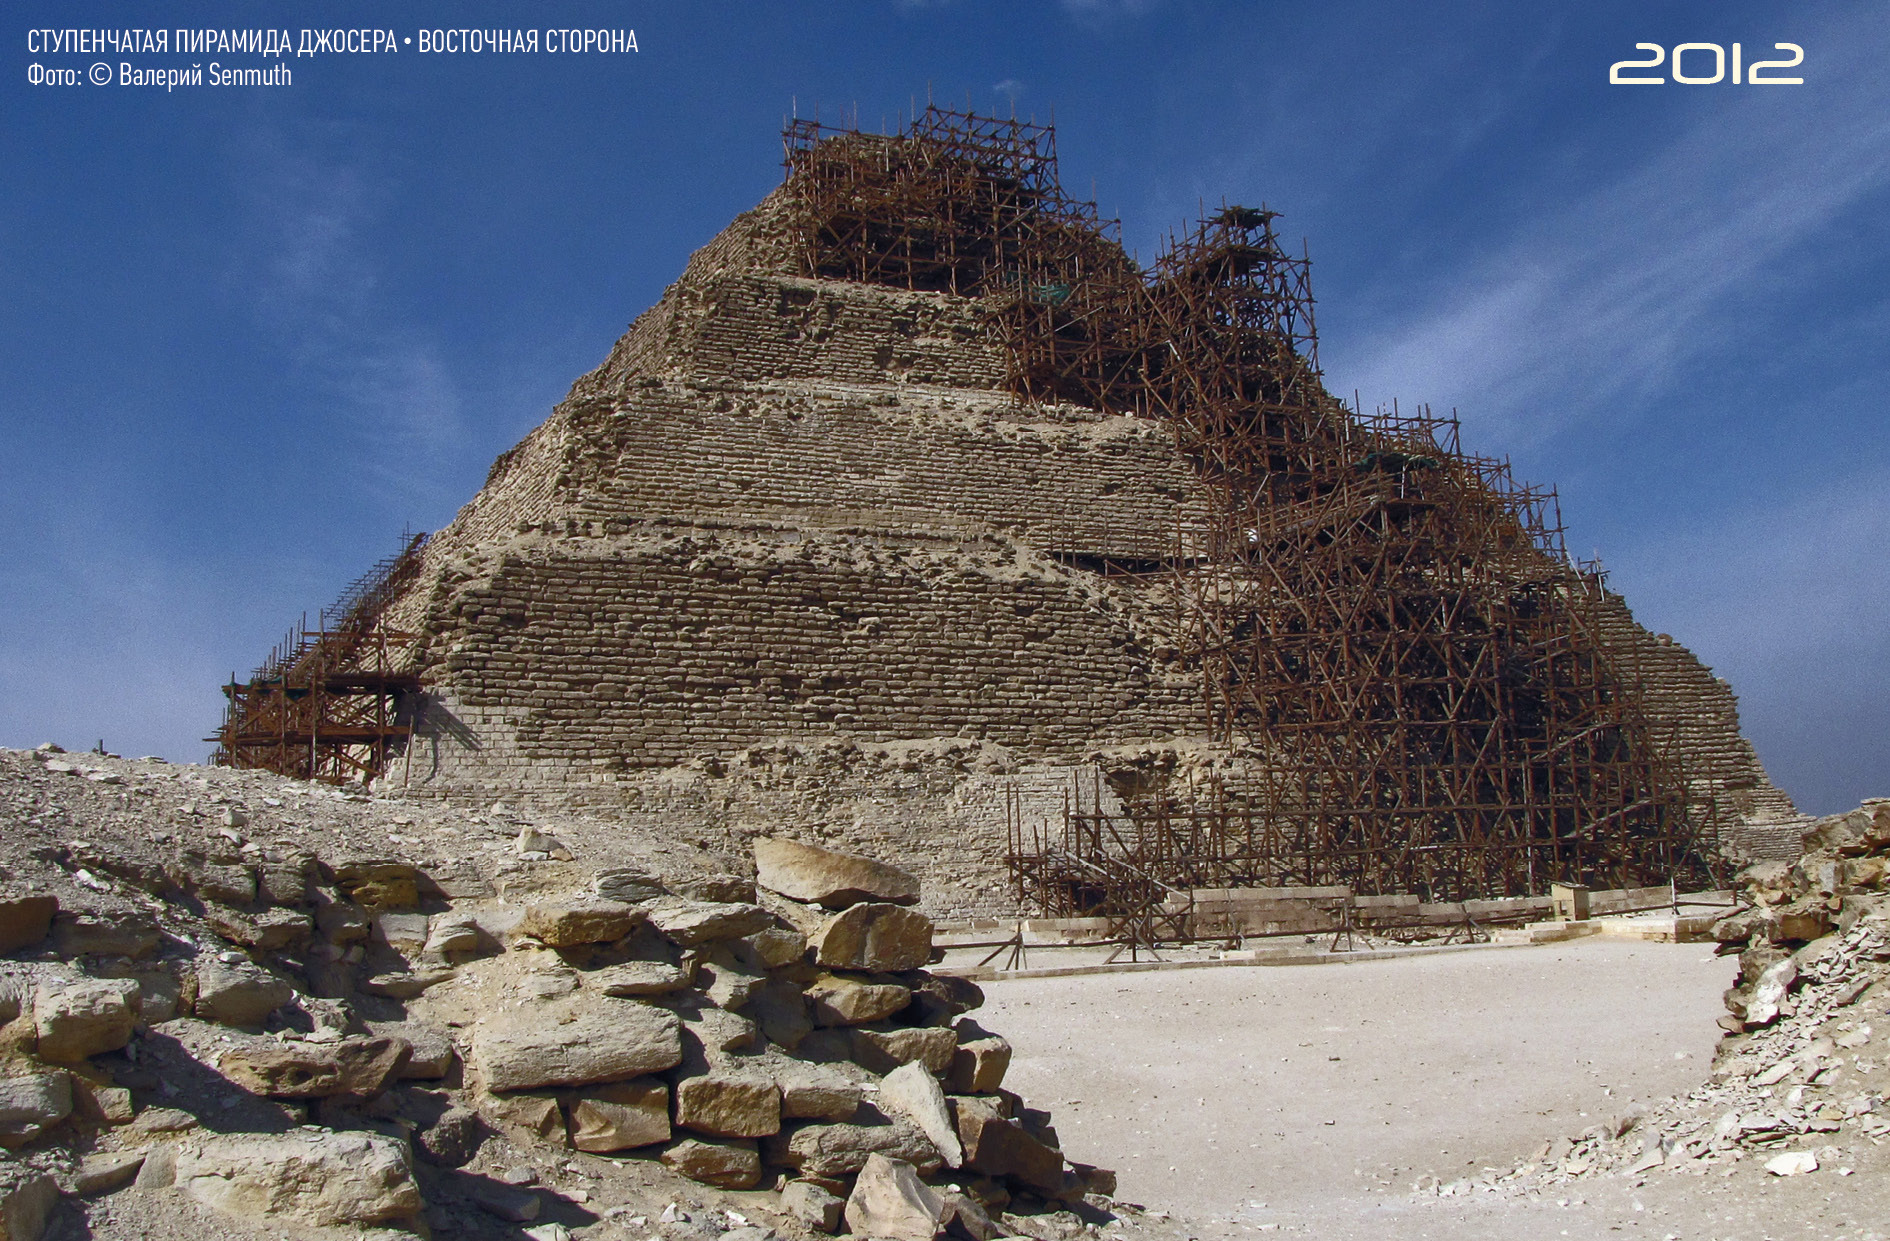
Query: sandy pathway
column 1310, row 1098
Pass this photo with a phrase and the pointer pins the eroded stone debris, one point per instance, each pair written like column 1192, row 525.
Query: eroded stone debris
column 353, row 1012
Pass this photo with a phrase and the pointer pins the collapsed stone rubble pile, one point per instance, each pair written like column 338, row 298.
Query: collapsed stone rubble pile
column 1800, row 1079
column 216, row 996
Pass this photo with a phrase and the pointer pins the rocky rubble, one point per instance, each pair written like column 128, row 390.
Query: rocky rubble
column 1801, row 1076
column 291, row 1006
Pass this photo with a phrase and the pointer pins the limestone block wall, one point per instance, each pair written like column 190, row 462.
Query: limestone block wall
column 801, row 513
column 1698, row 712
column 622, row 653
column 1105, row 486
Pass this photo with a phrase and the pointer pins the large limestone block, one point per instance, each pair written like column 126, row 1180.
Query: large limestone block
column 817, row 1091
column 727, row 1164
column 25, row 920
column 634, row 978
column 430, row 1053
column 812, row 1205
column 27, row 1199
column 874, row 937
column 380, row 884
column 238, row 994
column 780, row 1009
column 912, row 1092
column 837, row 1000
column 31, row 1103
column 882, row 1051
column 359, row 1067
column 842, row 1149
column 84, row 1017
column 777, row 946
column 938, row 999
column 620, row 1116
column 126, row 934
column 996, row 1146
column 826, row 877
column 574, row 1042
column 980, row 1061
column 268, row 931
column 687, row 923
column 729, row 1105
column 890, row 1201
column 317, row 1178
column 526, row 1116
column 569, row 924
column 453, row 934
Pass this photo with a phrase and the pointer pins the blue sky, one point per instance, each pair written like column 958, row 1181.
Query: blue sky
column 251, row 333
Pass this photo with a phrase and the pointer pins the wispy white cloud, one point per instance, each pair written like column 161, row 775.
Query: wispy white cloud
column 322, row 291
column 1106, row 10
column 1609, row 295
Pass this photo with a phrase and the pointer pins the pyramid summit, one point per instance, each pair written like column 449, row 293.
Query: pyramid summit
column 918, row 518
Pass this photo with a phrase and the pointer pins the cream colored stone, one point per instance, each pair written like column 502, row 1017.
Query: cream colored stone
column 875, row 937
column 889, row 1201
column 620, row 1116
column 322, row 1179
column 818, row 876
column 729, row 1105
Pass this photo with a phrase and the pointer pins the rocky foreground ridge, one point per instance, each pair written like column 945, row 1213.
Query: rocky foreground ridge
column 237, row 1005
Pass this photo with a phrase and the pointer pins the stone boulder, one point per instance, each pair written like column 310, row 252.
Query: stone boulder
column 912, row 1092
column 105, row 1171
column 780, row 1009
column 575, row 1041
column 453, row 1139
column 453, row 935
column 379, row 884
column 874, row 937
column 882, row 1051
column 816, row 1092
column 84, row 1017
column 570, row 924
column 889, row 1201
column 997, row 1146
column 128, row 934
column 729, row 1105
column 841, row 1149
column 633, row 978
column 238, row 993
column 309, row 1177
column 777, row 946
column 620, row 1116
column 979, row 1062
column 27, row 1199
column 31, row 1103
column 812, row 1205
column 269, row 931
column 430, row 1053
column 356, row 1067
column 818, row 876
column 25, row 920
column 687, row 923
column 728, row 1164
column 837, row 1000
column 628, row 884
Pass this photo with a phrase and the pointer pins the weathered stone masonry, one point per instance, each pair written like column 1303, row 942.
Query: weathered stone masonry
column 804, row 517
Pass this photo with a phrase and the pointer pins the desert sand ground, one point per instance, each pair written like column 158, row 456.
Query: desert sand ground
column 1310, row 1099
